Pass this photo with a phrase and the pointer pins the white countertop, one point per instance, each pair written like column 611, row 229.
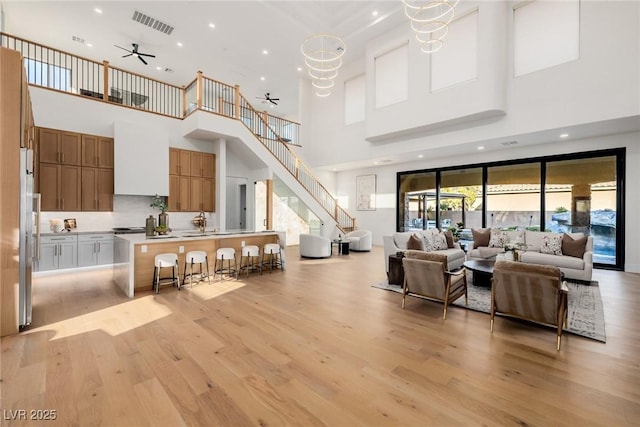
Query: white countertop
column 190, row 235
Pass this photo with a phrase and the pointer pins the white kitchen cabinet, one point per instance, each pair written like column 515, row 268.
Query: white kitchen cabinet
column 58, row 252
column 95, row 249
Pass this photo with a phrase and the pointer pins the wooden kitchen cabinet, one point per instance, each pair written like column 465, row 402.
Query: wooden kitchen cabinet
column 179, row 162
column 97, row 189
column 179, row 193
column 191, row 181
column 202, row 194
column 60, row 187
column 59, row 147
column 97, row 151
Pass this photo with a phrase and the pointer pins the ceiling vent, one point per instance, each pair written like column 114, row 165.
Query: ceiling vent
column 152, row 22
column 507, row 143
column 168, row 70
column 77, row 39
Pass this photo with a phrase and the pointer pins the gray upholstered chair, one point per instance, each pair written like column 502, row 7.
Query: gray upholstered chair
column 531, row 292
column 426, row 276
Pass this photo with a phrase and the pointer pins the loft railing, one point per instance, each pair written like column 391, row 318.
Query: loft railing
column 54, row 69
column 57, row 70
column 259, row 125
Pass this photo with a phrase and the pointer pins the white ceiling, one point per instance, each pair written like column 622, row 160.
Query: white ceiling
column 231, row 52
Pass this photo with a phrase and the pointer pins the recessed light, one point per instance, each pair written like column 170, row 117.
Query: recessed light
column 158, row 68
column 481, row 147
column 374, row 13
column 89, row 45
column 420, row 156
column 263, row 78
column 299, row 68
column 212, row 25
column 265, row 52
column 179, row 44
column 375, row 163
column 334, row 169
column 564, row 135
column 97, row 10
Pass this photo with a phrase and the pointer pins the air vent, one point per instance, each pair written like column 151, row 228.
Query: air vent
column 168, row 70
column 507, row 143
column 386, row 161
column 77, row 39
column 152, row 22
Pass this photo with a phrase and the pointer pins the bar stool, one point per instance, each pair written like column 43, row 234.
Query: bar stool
column 166, row 260
column 222, row 255
column 250, row 254
column 196, row 257
column 275, row 256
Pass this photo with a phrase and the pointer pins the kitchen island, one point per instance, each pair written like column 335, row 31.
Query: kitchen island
column 135, row 253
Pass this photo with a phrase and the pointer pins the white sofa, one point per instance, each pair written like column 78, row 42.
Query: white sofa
column 397, row 242
column 359, row 240
column 572, row 267
column 313, row 246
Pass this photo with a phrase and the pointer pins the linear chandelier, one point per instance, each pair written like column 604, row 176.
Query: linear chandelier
column 430, row 21
column 323, row 57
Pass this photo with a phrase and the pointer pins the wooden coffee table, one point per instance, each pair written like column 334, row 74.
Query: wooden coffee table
column 482, row 271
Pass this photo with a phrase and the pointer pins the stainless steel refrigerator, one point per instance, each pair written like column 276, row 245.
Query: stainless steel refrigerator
column 29, row 246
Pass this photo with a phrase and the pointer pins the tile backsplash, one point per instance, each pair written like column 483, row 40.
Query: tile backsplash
column 128, row 211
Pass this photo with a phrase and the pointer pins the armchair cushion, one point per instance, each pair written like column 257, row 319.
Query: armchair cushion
column 360, row 240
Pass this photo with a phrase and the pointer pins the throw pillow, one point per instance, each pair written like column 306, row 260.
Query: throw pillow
column 551, row 245
column 439, row 242
column 573, row 247
column 498, row 238
column 415, row 243
column 449, row 237
column 428, row 242
column 481, row 237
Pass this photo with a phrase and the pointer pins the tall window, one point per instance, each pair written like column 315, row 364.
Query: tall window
column 580, row 197
column 513, row 196
column 392, row 76
column 417, row 201
column 47, row 75
column 545, row 33
column 354, row 100
column 573, row 193
column 461, row 198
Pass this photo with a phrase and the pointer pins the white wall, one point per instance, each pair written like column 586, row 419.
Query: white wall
column 601, row 85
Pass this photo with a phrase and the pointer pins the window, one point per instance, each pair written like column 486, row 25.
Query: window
column 457, row 61
column 354, row 100
column 572, row 193
column 580, row 197
column 392, row 76
column 545, row 33
column 47, row 75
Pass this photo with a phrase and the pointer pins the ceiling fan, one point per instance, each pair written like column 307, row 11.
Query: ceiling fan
column 135, row 52
column 267, row 98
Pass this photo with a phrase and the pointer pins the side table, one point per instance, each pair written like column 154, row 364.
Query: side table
column 396, row 270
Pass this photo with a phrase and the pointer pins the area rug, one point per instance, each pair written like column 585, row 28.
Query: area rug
column 585, row 317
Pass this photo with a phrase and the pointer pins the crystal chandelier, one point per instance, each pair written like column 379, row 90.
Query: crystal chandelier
column 323, row 57
column 430, row 21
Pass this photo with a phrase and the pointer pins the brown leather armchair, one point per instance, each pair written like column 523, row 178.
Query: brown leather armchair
column 426, row 276
column 530, row 292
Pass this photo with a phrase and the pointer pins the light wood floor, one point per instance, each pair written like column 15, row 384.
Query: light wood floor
column 313, row 346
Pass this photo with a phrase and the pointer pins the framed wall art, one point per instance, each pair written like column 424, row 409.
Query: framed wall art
column 366, row 193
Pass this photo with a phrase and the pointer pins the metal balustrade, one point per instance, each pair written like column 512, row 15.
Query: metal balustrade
column 57, row 70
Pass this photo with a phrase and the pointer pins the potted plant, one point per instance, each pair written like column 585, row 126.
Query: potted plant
column 159, row 202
